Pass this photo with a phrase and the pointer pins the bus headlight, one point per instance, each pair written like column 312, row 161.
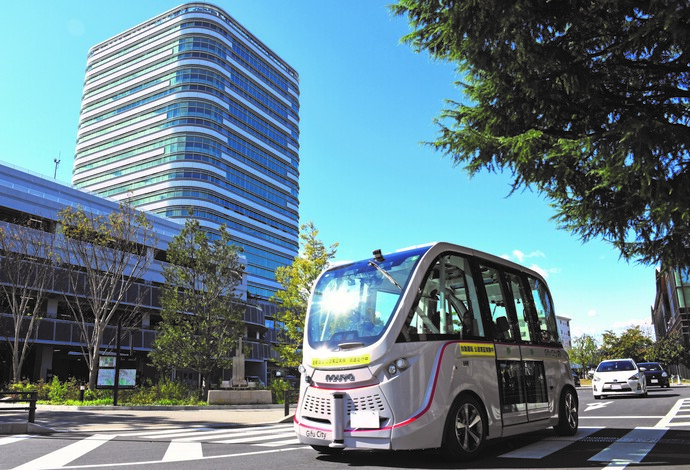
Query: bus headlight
column 399, row 364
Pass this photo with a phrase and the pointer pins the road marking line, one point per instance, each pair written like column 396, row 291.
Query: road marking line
column 251, row 439
column 631, row 448
column 179, row 451
column 549, row 445
column 13, row 439
column 194, row 431
column 62, row 457
column 597, row 405
column 286, row 442
column 666, row 420
column 210, row 457
column 620, row 417
column 164, row 432
column 228, row 434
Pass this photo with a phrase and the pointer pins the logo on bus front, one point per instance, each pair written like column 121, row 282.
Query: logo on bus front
column 476, row 349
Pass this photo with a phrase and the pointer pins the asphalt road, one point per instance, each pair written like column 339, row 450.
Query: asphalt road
column 652, row 432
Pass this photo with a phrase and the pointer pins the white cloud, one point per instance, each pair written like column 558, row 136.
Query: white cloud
column 519, row 255
column 592, row 313
column 544, row 272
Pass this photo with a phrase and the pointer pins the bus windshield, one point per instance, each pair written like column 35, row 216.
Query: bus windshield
column 353, row 304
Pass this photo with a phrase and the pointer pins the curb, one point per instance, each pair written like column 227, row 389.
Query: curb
column 157, row 407
column 24, row 428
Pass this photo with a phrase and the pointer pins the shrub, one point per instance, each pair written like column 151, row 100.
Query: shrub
column 278, row 388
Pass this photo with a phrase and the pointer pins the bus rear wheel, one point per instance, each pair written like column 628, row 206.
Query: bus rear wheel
column 465, row 430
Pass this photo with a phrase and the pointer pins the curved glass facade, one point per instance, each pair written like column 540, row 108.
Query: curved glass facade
column 190, row 112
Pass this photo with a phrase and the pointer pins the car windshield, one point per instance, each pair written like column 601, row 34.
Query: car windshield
column 615, row 366
column 653, row 366
column 352, row 305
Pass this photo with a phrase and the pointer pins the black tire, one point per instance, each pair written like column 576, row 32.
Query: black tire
column 327, row 450
column 597, row 397
column 466, row 429
column 568, row 416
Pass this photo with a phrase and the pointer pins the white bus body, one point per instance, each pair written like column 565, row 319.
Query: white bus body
column 438, row 346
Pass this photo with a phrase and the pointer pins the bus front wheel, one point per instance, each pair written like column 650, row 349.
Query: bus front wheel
column 465, row 430
column 568, row 417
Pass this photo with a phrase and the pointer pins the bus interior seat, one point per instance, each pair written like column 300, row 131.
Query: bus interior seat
column 503, row 327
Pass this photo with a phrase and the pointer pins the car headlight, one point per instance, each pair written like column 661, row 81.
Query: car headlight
column 635, row 377
column 596, row 378
column 664, row 374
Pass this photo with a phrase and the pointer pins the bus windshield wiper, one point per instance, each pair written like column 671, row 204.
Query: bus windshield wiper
column 350, row 345
column 385, row 274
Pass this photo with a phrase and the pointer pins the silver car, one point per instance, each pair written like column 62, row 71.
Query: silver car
column 618, row 377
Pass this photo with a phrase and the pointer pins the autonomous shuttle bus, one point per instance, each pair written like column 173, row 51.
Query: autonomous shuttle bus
column 436, row 346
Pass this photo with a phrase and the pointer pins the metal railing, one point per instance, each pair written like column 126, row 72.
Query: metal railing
column 15, row 397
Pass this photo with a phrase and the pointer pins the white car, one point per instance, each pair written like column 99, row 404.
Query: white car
column 618, row 377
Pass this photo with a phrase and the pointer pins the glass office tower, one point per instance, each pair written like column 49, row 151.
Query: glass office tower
column 189, row 113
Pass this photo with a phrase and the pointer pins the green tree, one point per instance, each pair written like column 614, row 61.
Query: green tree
column 586, row 102
column 202, row 309
column 105, row 255
column 297, row 281
column 632, row 343
column 585, row 351
column 670, row 350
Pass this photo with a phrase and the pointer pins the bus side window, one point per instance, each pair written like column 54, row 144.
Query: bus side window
column 448, row 306
column 461, row 295
column 547, row 329
column 502, row 330
column 518, row 289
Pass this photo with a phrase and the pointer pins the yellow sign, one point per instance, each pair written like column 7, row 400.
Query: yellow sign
column 341, row 361
column 476, row 349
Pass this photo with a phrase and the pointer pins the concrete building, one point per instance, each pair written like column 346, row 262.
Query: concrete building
column 57, row 344
column 189, row 113
column 564, row 331
column 671, row 309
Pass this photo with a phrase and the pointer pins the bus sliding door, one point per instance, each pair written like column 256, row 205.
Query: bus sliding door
column 520, row 369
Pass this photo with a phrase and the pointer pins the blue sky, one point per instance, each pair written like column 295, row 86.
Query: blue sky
column 367, row 102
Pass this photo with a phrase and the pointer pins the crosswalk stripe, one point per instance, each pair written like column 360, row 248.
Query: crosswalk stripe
column 242, row 440
column 180, row 432
column 226, row 434
column 179, row 451
column 13, row 439
column 674, row 413
column 632, row 447
column 548, row 446
column 62, row 457
column 164, row 432
column 286, row 442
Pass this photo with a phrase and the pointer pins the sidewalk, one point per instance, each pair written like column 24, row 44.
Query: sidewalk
column 124, row 418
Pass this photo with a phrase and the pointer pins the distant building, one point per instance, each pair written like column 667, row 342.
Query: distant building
column 189, row 111
column 57, row 346
column 671, row 309
column 564, row 331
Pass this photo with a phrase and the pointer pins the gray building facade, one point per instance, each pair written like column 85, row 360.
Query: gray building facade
column 189, row 114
